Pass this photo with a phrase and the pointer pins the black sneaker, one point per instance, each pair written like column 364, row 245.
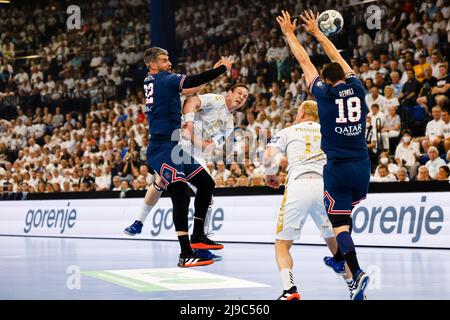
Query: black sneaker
column 290, row 294
column 359, row 286
column 193, row 260
column 203, row 242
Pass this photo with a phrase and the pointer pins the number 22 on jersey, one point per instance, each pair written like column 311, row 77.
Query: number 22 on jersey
column 148, row 96
column 353, row 110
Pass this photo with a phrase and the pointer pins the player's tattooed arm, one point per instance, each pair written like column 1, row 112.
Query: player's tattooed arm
column 288, row 29
column 312, row 27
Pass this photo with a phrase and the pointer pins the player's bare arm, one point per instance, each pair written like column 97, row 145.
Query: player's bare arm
column 191, row 91
column 268, row 161
column 190, row 107
column 312, row 27
column 288, row 28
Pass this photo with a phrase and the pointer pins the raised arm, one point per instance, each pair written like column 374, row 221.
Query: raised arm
column 288, row 28
column 312, row 27
column 200, row 79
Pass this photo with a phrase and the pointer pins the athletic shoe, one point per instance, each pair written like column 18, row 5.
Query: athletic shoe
column 193, row 260
column 207, row 254
column 134, row 229
column 290, row 294
column 338, row 267
column 203, row 242
column 360, row 285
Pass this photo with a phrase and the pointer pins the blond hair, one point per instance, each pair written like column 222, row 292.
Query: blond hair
column 309, row 107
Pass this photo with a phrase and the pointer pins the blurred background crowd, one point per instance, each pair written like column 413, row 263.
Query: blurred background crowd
column 72, row 105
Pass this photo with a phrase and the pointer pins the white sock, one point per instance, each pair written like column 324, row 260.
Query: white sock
column 349, row 281
column 288, row 278
column 208, row 219
column 144, row 212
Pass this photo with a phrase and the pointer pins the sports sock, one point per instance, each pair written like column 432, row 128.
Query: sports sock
column 207, row 220
column 347, row 249
column 145, row 210
column 185, row 245
column 338, row 257
column 198, row 227
column 288, row 278
column 349, row 282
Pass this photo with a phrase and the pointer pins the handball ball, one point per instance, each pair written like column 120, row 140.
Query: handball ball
column 330, row 22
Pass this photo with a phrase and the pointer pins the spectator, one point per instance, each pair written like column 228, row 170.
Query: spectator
column 410, row 89
column 374, row 98
column 433, row 132
column 434, row 163
column 383, row 175
column 391, row 128
column 402, row 175
column 446, row 129
column 390, row 100
column 422, row 174
column 407, row 154
column 443, row 174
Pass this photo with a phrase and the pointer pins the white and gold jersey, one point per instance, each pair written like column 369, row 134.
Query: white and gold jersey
column 213, row 120
column 301, row 144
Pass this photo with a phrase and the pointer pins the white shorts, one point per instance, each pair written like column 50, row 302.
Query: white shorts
column 302, row 197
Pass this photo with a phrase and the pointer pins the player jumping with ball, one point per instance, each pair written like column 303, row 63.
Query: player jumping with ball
column 342, row 111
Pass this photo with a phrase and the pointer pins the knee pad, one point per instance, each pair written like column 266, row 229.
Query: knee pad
column 339, row 220
column 179, row 193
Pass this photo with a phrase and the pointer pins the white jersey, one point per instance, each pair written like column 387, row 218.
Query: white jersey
column 301, row 144
column 212, row 121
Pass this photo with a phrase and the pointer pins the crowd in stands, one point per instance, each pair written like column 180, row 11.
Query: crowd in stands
column 72, row 107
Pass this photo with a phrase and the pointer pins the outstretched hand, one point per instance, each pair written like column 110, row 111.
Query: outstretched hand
column 311, row 23
column 225, row 61
column 285, row 22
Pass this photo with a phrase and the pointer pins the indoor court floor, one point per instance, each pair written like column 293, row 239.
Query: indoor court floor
column 63, row 268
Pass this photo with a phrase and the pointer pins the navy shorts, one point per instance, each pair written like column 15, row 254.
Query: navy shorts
column 169, row 161
column 345, row 185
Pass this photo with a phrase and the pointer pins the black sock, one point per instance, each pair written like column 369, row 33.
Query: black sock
column 338, row 256
column 199, row 227
column 185, row 245
column 352, row 263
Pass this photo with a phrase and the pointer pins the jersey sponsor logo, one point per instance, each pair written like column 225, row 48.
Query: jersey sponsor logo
column 349, row 131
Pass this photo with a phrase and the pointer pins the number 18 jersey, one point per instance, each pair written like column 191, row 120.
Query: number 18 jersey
column 342, row 112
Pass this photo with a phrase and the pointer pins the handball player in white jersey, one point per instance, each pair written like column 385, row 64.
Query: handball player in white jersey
column 303, row 195
column 208, row 121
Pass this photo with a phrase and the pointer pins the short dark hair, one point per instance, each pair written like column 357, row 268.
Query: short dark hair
column 152, row 54
column 333, row 72
column 238, row 85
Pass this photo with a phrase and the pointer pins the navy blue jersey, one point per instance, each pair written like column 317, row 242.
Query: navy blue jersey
column 163, row 104
column 342, row 112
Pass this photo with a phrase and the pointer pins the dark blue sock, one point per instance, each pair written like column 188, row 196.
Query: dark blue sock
column 347, row 248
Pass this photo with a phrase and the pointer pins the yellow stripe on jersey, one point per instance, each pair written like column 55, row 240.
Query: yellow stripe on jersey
column 280, row 220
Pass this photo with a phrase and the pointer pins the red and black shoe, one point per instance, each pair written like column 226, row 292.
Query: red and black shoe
column 203, row 242
column 290, row 294
column 193, row 260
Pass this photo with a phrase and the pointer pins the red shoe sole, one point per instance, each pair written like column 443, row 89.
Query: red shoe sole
column 294, row 296
column 198, row 264
column 206, row 246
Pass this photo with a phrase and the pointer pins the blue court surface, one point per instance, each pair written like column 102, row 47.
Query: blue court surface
column 56, row 268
